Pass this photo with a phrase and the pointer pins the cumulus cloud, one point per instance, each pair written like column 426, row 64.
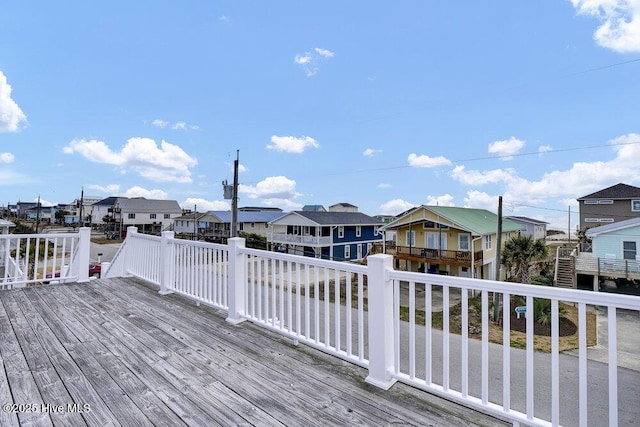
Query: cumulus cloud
column 205, row 205
column 384, row 185
column 273, row 187
column 444, row 200
column 310, row 61
column 580, row 179
column 425, row 161
column 106, row 189
column 544, row 149
column 619, row 28
column 370, row 152
column 136, row 191
column 11, row 116
column 168, row 162
column 292, row 144
column 477, row 178
column 7, row 158
column 481, row 200
column 395, row 207
column 506, row 149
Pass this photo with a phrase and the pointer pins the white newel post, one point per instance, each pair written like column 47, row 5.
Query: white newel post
column 236, row 281
column 84, row 252
column 380, row 294
column 128, row 248
column 166, row 262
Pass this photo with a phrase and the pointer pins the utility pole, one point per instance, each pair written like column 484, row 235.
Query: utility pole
column 496, row 295
column 234, row 201
column 38, row 214
column 195, row 225
column 81, row 205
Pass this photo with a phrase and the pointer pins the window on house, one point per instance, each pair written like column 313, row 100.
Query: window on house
column 152, row 216
column 629, row 250
column 590, row 202
column 242, row 226
column 463, row 242
column 635, row 205
column 167, row 216
column 253, row 225
column 605, row 202
column 410, row 238
column 358, row 231
column 487, row 242
column 131, row 216
column 347, row 251
column 340, row 232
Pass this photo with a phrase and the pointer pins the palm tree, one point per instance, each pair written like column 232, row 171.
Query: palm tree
column 519, row 254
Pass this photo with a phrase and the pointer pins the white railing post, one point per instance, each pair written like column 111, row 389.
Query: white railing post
column 166, row 262
column 381, row 340
column 81, row 265
column 236, row 281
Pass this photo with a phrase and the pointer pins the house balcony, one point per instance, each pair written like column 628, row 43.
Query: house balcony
column 433, row 256
column 296, row 239
column 588, row 263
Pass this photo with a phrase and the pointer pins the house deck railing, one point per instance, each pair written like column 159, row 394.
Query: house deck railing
column 385, row 321
column 444, row 256
column 27, row 259
column 587, row 262
column 293, row 239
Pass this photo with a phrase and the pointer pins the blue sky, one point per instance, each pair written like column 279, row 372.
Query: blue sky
column 385, row 106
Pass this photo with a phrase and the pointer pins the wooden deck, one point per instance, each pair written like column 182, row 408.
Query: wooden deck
column 124, row 355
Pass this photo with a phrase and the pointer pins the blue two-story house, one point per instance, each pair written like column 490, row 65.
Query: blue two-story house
column 340, row 236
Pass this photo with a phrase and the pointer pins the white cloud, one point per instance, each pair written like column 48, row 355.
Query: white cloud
column 310, row 61
column 11, row 116
column 619, row 28
column 324, row 52
column 477, row 178
column 444, row 200
column 370, row 152
column 223, row 18
column 544, row 149
column 107, row 189
column 273, row 187
column 580, row 179
column 506, row 149
column 425, row 161
column 395, row 207
column 167, row 163
column 292, row 144
column 481, row 200
column 384, row 185
column 205, row 205
column 160, row 123
column 43, row 202
column 180, row 125
column 7, row 158
column 136, row 191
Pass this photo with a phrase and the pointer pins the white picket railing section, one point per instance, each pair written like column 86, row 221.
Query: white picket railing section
column 43, row 258
column 354, row 312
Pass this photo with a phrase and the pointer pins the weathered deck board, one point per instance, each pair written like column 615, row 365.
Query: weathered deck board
column 139, row 358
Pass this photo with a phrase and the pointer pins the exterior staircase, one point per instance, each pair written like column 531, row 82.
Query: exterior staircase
column 565, row 268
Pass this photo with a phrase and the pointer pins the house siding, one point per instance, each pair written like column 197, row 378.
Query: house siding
column 611, row 243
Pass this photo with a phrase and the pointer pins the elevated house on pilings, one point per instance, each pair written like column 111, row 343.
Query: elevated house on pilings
column 447, row 240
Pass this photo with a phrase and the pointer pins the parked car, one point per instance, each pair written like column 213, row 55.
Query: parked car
column 94, row 271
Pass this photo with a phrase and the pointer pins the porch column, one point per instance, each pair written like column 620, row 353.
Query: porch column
column 236, row 281
column 84, row 249
column 166, row 262
column 380, row 319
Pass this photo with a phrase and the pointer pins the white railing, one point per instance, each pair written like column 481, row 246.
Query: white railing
column 294, row 239
column 382, row 319
column 43, row 258
column 314, row 301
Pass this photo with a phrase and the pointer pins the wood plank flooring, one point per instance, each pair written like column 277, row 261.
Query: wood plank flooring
column 115, row 352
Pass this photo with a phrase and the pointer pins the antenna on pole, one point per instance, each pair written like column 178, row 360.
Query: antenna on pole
column 234, row 202
column 231, row 192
